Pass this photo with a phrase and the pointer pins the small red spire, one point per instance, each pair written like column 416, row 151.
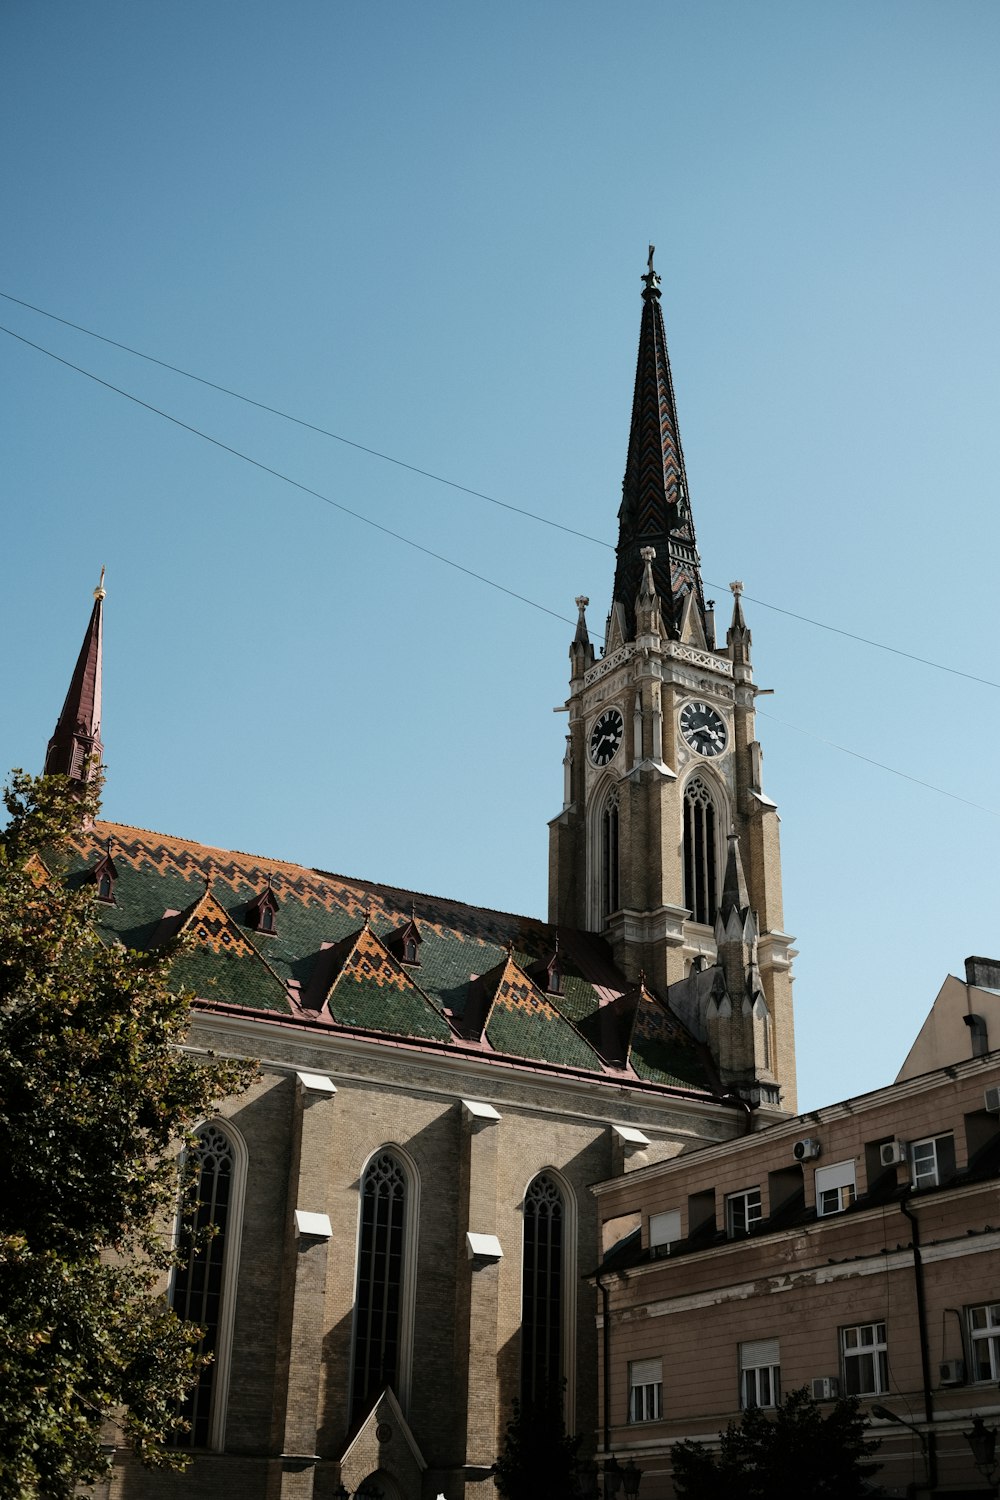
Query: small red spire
column 75, row 748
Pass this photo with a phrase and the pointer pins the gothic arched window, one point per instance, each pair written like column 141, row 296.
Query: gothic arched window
column 700, row 882
column 610, row 895
column 379, row 1325
column 542, row 1288
column 204, row 1280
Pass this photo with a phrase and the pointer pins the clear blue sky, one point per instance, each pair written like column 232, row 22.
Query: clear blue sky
column 423, row 227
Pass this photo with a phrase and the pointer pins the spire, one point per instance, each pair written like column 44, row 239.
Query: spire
column 738, row 635
column 582, row 637
column 734, row 885
column 75, row 748
column 581, row 651
column 655, row 510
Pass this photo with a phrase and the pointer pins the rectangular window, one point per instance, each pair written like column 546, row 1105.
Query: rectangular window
column 664, row 1230
column 760, row 1373
column 984, row 1341
column 645, row 1390
column 743, row 1211
column 835, row 1188
column 932, row 1160
column 866, row 1359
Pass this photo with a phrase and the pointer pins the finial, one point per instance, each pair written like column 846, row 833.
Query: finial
column 647, row 590
column 652, row 281
column 101, row 592
column 737, row 588
column 207, row 878
column 581, row 638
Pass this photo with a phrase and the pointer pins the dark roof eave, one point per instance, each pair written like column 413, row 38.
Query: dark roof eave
column 455, row 1048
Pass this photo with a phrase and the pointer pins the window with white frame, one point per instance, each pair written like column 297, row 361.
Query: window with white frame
column 984, row 1341
column 664, row 1230
column 866, row 1359
column 760, row 1373
column 932, row 1161
column 743, row 1211
column 836, row 1188
column 645, row 1390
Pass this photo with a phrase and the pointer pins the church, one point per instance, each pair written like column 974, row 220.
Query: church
column 407, row 1234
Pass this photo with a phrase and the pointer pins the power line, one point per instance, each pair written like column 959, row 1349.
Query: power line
column 879, row 645
column 439, row 557
column 287, row 479
column 465, row 489
column 928, row 785
column 286, row 416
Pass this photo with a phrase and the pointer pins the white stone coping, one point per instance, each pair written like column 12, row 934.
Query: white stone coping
column 316, row 1083
column 483, row 1247
column 479, row 1113
column 629, row 1136
column 317, row 1226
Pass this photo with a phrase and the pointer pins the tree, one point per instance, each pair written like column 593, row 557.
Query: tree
column 537, row 1457
column 794, row 1451
column 96, row 1098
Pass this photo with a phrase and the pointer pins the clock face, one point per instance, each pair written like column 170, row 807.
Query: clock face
column 703, row 728
column 606, row 736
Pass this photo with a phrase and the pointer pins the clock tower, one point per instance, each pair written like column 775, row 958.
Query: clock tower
column 667, row 844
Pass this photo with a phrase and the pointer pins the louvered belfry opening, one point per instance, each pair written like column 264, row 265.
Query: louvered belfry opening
column 198, row 1280
column 380, row 1282
column 700, row 879
column 610, row 895
column 542, row 1289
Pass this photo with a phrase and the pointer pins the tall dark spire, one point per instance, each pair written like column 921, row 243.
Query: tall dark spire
column 655, row 511
column 75, row 748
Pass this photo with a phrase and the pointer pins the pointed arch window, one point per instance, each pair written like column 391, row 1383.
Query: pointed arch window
column 542, row 1287
column 700, row 862
column 204, row 1282
column 610, row 866
column 380, row 1319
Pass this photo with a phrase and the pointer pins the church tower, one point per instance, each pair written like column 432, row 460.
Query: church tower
column 667, row 844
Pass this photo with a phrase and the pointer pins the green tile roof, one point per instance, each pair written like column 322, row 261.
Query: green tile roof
column 328, row 958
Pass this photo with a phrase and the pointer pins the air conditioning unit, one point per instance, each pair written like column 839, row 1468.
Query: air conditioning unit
column 826, row 1388
column 892, row 1153
column 991, row 1099
column 951, row 1372
column 806, row 1150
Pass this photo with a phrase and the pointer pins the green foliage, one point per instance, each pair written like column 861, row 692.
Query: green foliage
column 96, row 1099
column 537, row 1457
column 794, row 1451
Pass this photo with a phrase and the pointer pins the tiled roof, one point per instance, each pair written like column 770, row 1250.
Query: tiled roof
column 480, row 983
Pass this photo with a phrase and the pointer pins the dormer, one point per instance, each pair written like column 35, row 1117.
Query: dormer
column 548, row 976
column 404, row 943
column 104, row 874
column 262, row 911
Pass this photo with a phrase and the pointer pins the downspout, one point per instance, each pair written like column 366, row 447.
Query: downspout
column 606, row 1348
column 925, row 1363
